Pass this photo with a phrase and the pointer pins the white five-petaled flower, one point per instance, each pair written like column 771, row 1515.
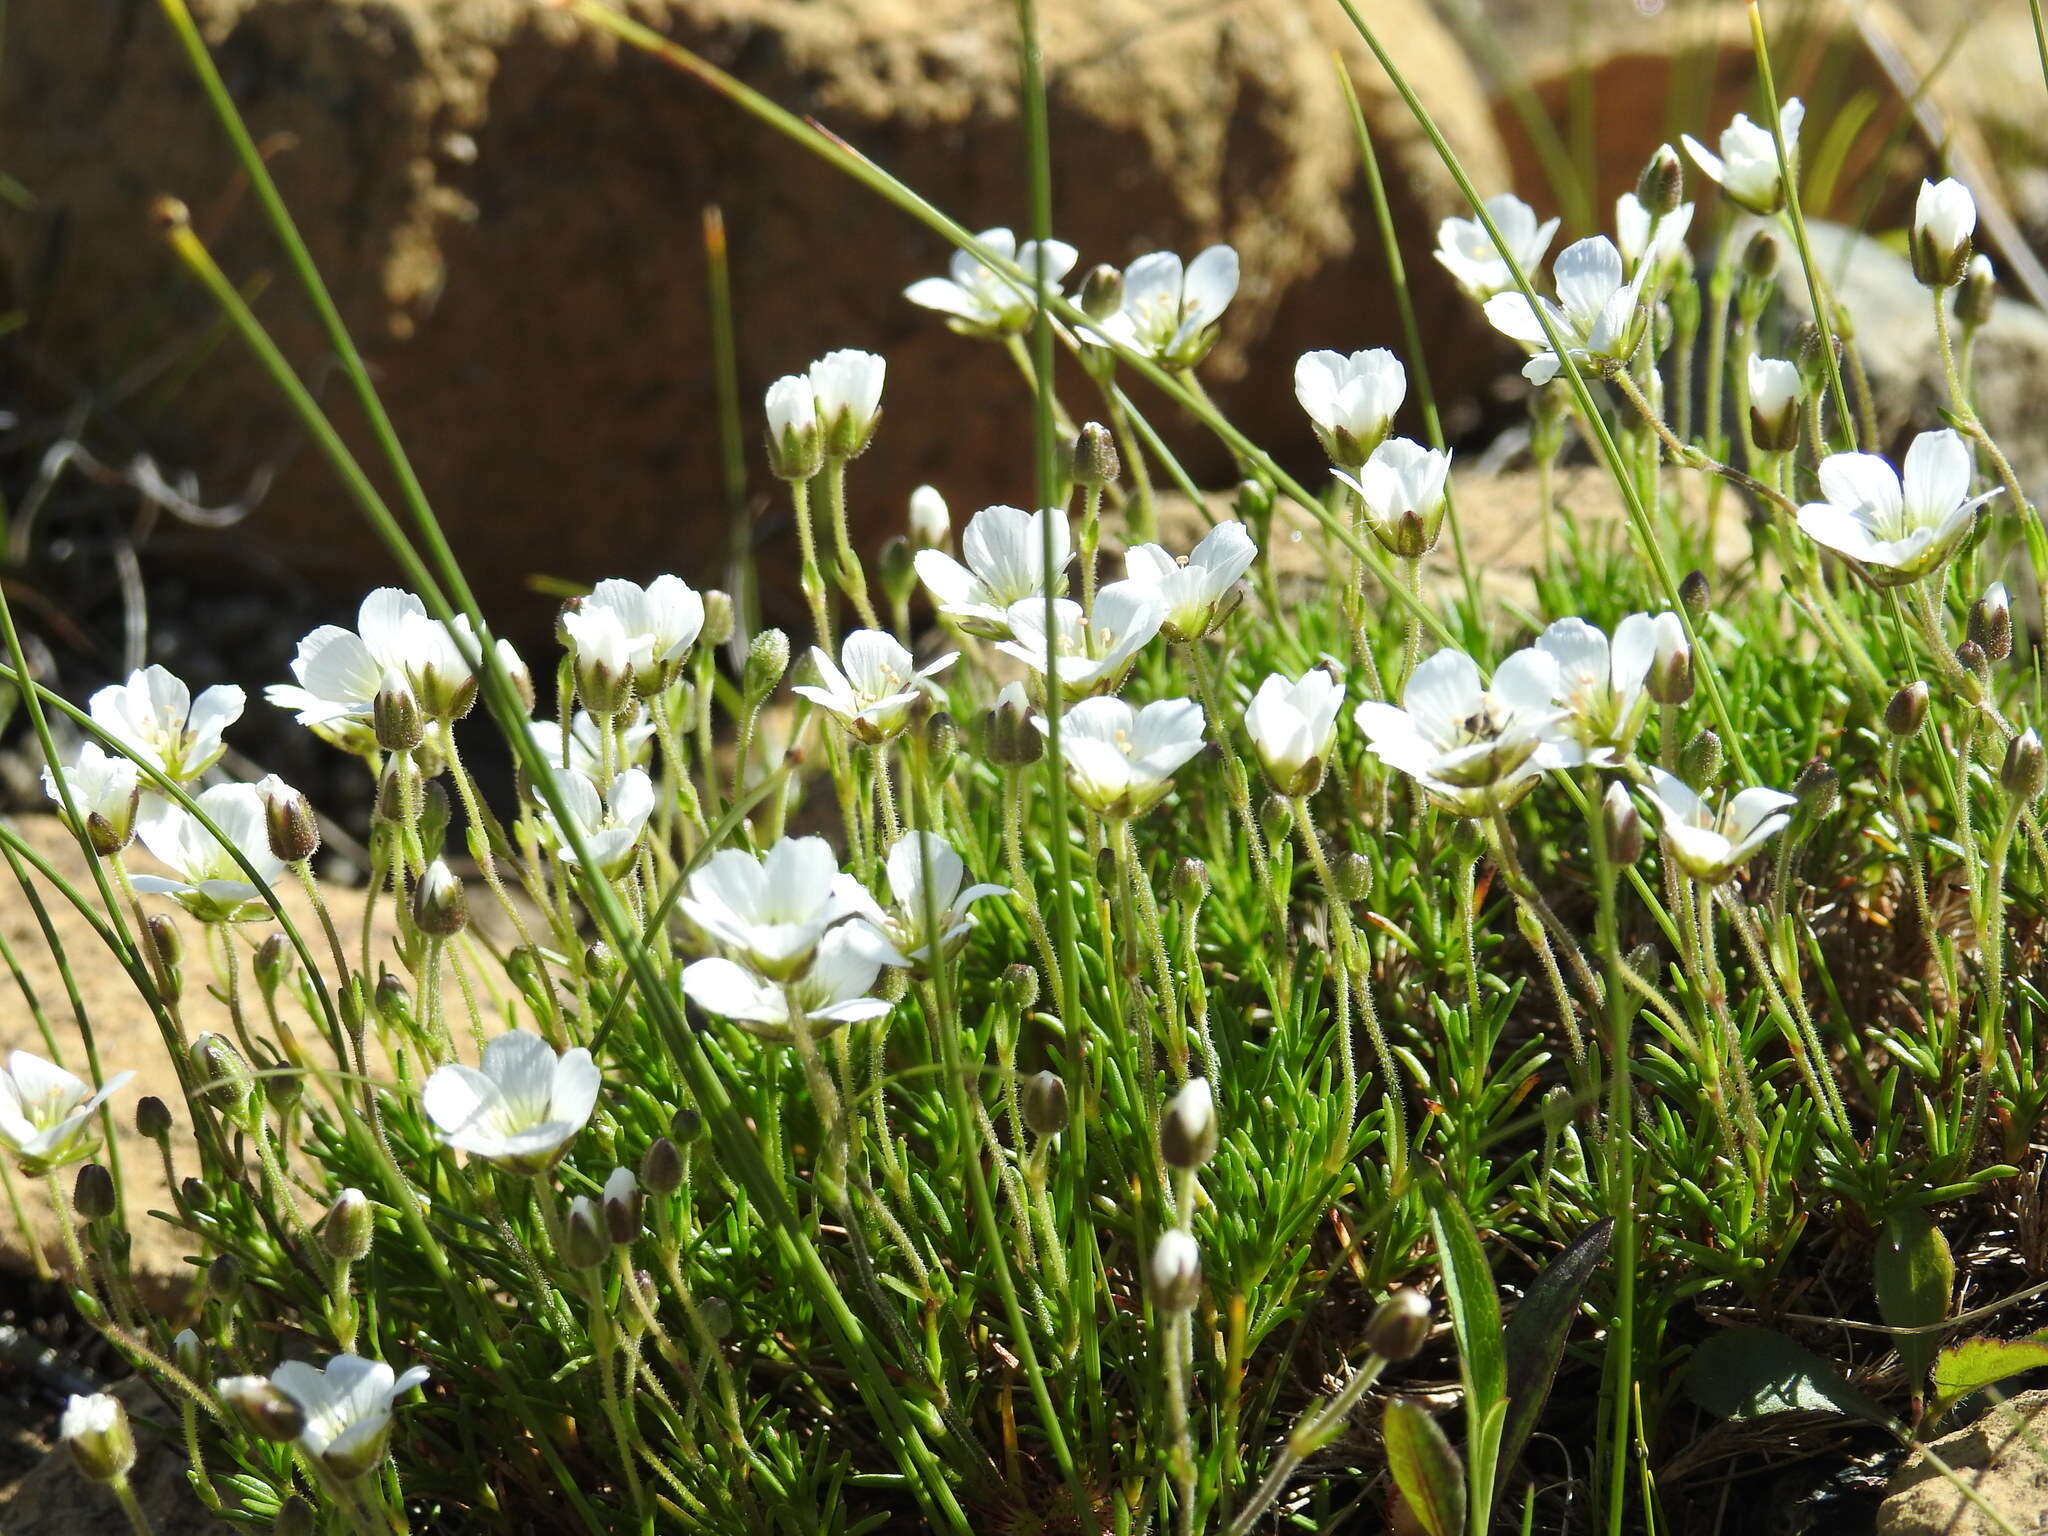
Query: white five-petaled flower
column 832, row 990
column 1640, row 246
column 1004, row 548
column 585, row 745
column 847, row 385
column 209, row 883
column 348, row 1405
column 1120, row 761
column 1093, row 651
column 1475, row 749
column 1169, row 312
column 1601, row 683
column 1194, row 591
column 980, row 301
column 1747, row 167
column 46, row 1113
column 610, row 822
column 1293, row 727
column 1401, row 491
column 1944, row 219
column 660, row 622
column 340, row 671
column 520, row 1107
column 1775, row 391
column 154, row 716
column 1897, row 532
column 1597, row 314
column 904, row 924
column 106, row 789
column 770, row 913
column 1350, row 401
column 873, row 685
column 1468, row 253
column 1712, row 846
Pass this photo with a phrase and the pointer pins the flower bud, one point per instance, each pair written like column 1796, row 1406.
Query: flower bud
column 1622, row 824
column 1977, row 294
column 166, row 949
column 1102, row 292
column 1661, row 187
column 273, row 962
column 2025, row 770
column 1556, row 1110
column 1695, row 596
column 1991, row 622
column 941, row 741
column 223, row 1075
column 433, row 809
column 718, row 618
column 519, row 674
column 1190, row 882
column 1399, row 1326
column 440, row 906
column 395, row 712
column 1760, row 257
column 1353, row 874
column 1276, row 819
column 93, row 1192
column 1020, row 987
column 1175, row 1273
column 1774, row 399
column 152, row 1117
column 1811, row 356
column 896, row 568
column 288, row 817
column 1045, row 1103
column 622, row 1207
column 685, row 1126
column 348, row 1228
column 95, row 1431
column 1976, row 684
column 224, row 1279
column 767, row 660
column 1008, row 737
column 268, row 1410
column 1253, row 502
column 796, row 449
column 661, row 1168
column 188, row 1354
column 1096, row 462
column 1907, row 711
column 1187, row 1131
column 930, row 523
column 1818, row 790
column 1943, row 221
column 715, row 1312
column 584, row 1243
column 1699, row 760
column 294, row 1518
column 197, row 1196
column 1670, row 680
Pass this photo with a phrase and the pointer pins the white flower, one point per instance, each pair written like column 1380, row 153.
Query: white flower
column 832, row 990
column 1747, row 167
column 1175, row 1271
column 794, row 444
column 770, row 913
column 1005, row 552
column 1775, row 392
column 1350, row 401
column 1120, row 761
column 1196, row 592
column 848, row 387
column 1713, row 847
column 46, row 1113
column 1293, row 727
column 340, row 671
column 929, row 520
column 1094, row 652
column 95, row 1430
column 348, row 1407
column 1632, row 233
column 520, row 1106
column 874, row 684
column 660, row 622
column 154, row 716
column 1598, row 313
column 1898, row 533
column 1943, row 221
column 1475, row 749
column 983, row 302
column 607, row 657
column 904, row 924
column 1169, row 313
column 1601, row 685
column 1401, row 489
column 1468, row 254
column 106, row 789
column 586, row 742
column 209, row 883
column 610, row 823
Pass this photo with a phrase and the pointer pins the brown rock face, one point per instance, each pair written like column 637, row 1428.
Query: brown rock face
column 509, row 210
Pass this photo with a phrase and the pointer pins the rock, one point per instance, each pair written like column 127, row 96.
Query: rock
column 509, row 209
column 2000, row 1461
column 55, row 1500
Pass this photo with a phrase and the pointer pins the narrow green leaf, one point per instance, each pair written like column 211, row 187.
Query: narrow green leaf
column 1426, row 1469
column 1468, row 1286
column 1916, row 1276
column 1535, row 1334
column 1747, row 1372
column 1975, row 1364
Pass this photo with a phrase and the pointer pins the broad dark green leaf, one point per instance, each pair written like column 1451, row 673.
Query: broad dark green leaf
column 1916, row 1276
column 1426, row 1469
column 1535, row 1334
column 1746, row 1372
column 1975, row 1364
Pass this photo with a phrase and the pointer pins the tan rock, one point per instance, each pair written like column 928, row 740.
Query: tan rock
column 1999, row 1460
